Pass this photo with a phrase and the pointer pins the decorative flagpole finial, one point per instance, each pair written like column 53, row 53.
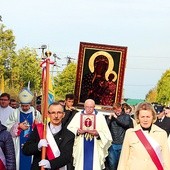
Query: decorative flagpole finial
column 48, row 53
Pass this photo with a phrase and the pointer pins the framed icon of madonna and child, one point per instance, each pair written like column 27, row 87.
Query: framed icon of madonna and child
column 100, row 73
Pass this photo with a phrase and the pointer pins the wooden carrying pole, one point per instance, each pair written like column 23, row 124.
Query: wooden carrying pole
column 45, row 104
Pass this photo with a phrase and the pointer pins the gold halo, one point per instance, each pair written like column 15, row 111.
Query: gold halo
column 109, row 72
column 107, row 55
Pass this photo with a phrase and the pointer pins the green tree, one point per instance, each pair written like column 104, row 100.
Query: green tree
column 24, row 67
column 7, row 50
column 7, row 56
column 152, row 95
column 163, row 88
column 65, row 81
column 17, row 68
column 28, row 68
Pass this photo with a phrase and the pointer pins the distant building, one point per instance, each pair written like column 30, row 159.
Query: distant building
column 133, row 102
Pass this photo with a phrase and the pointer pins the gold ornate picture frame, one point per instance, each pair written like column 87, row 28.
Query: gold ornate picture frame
column 100, row 73
column 88, row 122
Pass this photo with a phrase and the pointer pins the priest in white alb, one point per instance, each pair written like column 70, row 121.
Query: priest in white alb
column 92, row 138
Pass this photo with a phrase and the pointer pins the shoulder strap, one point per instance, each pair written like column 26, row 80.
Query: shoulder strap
column 149, row 149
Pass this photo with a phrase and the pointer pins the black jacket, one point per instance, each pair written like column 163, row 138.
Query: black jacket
column 64, row 140
column 118, row 127
column 69, row 114
column 164, row 124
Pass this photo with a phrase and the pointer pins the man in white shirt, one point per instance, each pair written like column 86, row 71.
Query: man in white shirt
column 5, row 109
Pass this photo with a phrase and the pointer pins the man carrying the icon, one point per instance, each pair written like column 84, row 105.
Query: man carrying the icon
column 92, row 139
column 21, row 123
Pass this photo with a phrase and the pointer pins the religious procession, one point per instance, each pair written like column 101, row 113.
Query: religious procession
column 96, row 131
column 92, row 128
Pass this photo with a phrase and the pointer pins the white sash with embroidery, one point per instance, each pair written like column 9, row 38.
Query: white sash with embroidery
column 155, row 145
column 53, row 145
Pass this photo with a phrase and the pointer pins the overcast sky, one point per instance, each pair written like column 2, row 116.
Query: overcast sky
column 141, row 25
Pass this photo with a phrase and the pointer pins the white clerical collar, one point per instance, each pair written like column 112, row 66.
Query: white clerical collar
column 91, row 113
column 55, row 129
column 28, row 111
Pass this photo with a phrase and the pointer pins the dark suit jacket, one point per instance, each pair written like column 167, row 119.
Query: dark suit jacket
column 69, row 114
column 64, row 140
column 165, row 124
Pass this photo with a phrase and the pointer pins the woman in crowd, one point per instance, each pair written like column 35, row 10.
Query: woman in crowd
column 7, row 152
column 145, row 146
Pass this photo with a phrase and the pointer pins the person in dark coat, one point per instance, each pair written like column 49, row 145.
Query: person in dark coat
column 7, row 151
column 162, row 120
column 59, row 140
column 69, row 109
column 118, row 123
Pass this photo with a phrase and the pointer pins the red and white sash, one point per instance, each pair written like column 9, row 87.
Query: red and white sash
column 2, row 160
column 52, row 149
column 152, row 147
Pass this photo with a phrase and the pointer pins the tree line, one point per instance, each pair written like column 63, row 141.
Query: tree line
column 18, row 67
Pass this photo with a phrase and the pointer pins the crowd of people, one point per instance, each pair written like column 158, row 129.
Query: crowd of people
column 83, row 139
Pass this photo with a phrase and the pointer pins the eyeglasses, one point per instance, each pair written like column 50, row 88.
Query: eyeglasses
column 4, row 99
column 54, row 113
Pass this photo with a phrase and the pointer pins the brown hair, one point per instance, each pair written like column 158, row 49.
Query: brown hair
column 126, row 106
column 145, row 106
column 56, row 104
column 5, row 95
column 116, row 105
column 69, row 96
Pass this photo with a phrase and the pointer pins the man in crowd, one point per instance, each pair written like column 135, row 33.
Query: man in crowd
column 69, row 109
column 38, row 103
column 92, row 139
column 5, row 109
column 162, row 120
column 59, row 140
column 21, row 123
column 118, row 123
column 128, row 110
column 167, row 111
column 13, row 103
